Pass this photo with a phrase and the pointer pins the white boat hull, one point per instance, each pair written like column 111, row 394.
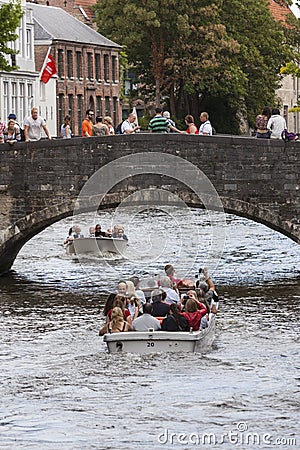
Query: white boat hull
column 96, row 246
column 161, row 341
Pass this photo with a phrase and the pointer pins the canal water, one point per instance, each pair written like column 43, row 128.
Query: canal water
column 60, row 389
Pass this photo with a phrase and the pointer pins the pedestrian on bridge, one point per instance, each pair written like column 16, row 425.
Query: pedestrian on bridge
column 159, row 124
column 87, row 124
column 33, row 126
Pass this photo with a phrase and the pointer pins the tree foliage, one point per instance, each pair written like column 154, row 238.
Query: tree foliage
column 10, row 15
column 220, row 55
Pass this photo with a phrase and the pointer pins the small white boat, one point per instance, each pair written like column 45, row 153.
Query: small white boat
column 162, row 341
column 96, row 246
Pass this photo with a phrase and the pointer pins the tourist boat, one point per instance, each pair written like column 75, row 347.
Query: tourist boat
column 162, row 341
column 96, row 246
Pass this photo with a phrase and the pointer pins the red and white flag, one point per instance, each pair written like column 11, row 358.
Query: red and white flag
column 49, row 69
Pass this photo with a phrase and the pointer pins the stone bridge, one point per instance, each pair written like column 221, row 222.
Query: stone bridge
column 40, row 181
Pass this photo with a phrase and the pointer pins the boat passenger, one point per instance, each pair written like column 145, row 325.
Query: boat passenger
column 120, row 301
column 146, row 321
column 77, row 232
column 193, row 314
column 109, row 303
column 207, row 285
column 98, row 232
column 160, row 308
column 130, row 289
column 133, row 306
column 199, row 296
column 122, row 287
column 138, row 292
column 172, row 295
column 118, row 233
column 69, row 238
column 92, row 232
column 117, row 323
column 170, row 272
column 175, row 321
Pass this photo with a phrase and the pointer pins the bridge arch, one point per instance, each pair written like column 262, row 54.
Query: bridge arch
column 31, row 225
column 39, row 182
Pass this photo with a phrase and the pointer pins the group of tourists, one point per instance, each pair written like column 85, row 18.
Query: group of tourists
column 117, row 232
column 33, row 126
column 101, row 127
column 271, row 125
column 160, row 123
column 129, row 309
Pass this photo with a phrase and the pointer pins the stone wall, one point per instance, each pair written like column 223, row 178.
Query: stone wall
column 40, row 181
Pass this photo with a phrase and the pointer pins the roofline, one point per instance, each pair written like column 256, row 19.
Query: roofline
column 114, row 45
column 57, row 41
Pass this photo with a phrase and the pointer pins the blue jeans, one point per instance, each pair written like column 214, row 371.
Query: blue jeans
column 264, row 135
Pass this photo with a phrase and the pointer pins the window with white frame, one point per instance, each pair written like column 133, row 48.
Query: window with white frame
column 14, row 98
column 22, row 107
column 29, row 43
column 42, row 91
column 5, row 99
column 29, row 98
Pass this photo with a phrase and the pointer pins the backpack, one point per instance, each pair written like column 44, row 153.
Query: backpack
column 21, row 132
column 288, row 136
column 118, row 129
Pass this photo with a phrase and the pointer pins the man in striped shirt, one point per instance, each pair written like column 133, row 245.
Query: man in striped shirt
column 159, row 124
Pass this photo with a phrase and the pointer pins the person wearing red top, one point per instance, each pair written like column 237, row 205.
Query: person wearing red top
column 170, row 271
column 191, row 127
column 194, row 311
column 120, row 302
column 87, row 124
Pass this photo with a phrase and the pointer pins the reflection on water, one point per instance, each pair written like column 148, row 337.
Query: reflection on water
column 252, row 253
column 60, row 389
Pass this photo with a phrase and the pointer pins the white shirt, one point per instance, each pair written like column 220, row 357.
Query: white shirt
column 126, row 125
column 140, row 294
column 35, row 127
column 172, row 296
column 145, row 322
column 276, row 124
column 206, row 128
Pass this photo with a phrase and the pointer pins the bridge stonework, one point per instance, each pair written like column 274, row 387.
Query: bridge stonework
column 40, row 181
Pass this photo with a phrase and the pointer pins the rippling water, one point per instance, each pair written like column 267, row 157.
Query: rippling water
column 60, row 389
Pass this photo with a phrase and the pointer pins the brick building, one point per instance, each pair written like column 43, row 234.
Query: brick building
column 87, row 64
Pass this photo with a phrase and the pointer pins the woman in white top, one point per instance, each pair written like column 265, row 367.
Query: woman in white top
column 65, row 129
column 276, row 124
column 109, row 122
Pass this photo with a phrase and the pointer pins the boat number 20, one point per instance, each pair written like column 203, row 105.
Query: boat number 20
column 150, row 344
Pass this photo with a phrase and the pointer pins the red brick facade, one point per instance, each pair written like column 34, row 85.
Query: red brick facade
column 87, row 73
column 88, row 77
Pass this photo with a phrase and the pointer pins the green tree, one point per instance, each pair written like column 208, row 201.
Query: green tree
column 263, row 49
column 173, row 45
column 10, row 15
column 219, row 55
